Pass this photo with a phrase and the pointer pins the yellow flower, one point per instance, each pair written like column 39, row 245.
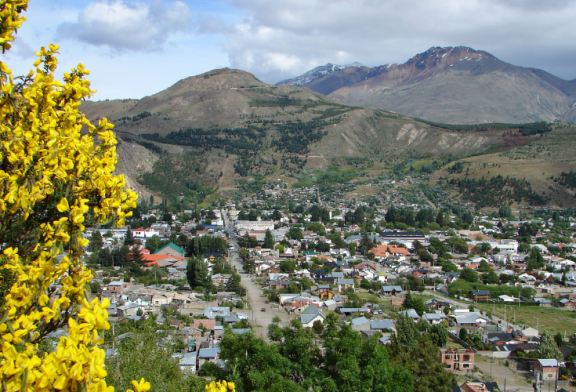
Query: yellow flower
column 53, row 167
column 141, row 386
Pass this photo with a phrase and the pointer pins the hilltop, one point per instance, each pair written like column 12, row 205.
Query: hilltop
column 457, row 85
column 226, row 129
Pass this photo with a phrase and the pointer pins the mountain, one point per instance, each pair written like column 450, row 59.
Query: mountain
column 227, row 130
column 456, row 85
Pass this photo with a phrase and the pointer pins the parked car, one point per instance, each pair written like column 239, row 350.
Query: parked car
column 263, row 309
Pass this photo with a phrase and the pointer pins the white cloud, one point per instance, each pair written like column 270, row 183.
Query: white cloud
column 282, row 39
column 121, row 24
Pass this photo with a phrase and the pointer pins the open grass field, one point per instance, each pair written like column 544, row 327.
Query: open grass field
column 553, row 319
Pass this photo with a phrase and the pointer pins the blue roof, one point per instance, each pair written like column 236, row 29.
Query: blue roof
column 360, row 321
column 310, row 313
column 208, row 352
column 381, row 324
column 548, row 362
column 242, row 331
column 353, row 310
column 410, row 313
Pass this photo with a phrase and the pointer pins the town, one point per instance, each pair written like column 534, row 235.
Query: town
column 495, row 293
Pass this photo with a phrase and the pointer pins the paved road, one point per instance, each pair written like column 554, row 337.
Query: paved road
column 255, row 297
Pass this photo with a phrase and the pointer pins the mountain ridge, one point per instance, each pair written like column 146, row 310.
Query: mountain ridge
column 454, row 85
column 226, row 129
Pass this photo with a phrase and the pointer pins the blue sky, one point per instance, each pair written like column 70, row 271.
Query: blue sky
column 136, row 48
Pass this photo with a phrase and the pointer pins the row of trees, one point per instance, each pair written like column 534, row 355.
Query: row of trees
column 347, row 363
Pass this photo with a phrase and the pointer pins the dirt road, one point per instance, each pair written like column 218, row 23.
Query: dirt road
column 504, row 376
column 257, row 317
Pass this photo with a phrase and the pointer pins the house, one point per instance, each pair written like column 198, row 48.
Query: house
column 500, row 338
column 212, row 312
column 477, row 386
column 207, row 355
column 327, row 294
column 220, row 279
column 530, row 332
column 471, row 319
column 383, row 251
column 547, row 369
column 323, row 288
column 544, row 302
column 329, row 305
column 432, row 318
column 437, row 304
column 170, row 249
column 391, row 290
column 457, row 360
column 382, row 325
column 188, row 362
column 479, row 295
column 343, row 284
column 350, row 311
column 566, row 303
column 361, row 324
column 410, row 313
column 210, row 257
column 144, row 233
column 310, row 315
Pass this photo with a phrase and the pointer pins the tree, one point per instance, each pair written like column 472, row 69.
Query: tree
column 407, row 332
column 295, row 233
column 352, row 247
column 268, row 240
column 197, row 273
column 54, row 181
column 243, row 254
column 469, row 275
column 234, row 285
column 440, row 218
column 484, row 267
column 366, row 241
column 136, row 256
column 535, row 260
column 318, row 327
column 422, row 362
column 153, row 243
column 439, row 335
column 276, row 215
column 96, row 241
column 490, row 278
column 416, row 303
column 365, row 284
column 505, row 212
column 548, row 348
column 287, row 266
column 129, row 240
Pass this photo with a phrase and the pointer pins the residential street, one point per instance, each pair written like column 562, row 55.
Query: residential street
column 255, row 298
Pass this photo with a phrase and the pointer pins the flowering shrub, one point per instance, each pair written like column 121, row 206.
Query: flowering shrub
column 54, row 180
column 221, row 386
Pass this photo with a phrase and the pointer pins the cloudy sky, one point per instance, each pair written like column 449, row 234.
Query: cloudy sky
column 136, row 48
